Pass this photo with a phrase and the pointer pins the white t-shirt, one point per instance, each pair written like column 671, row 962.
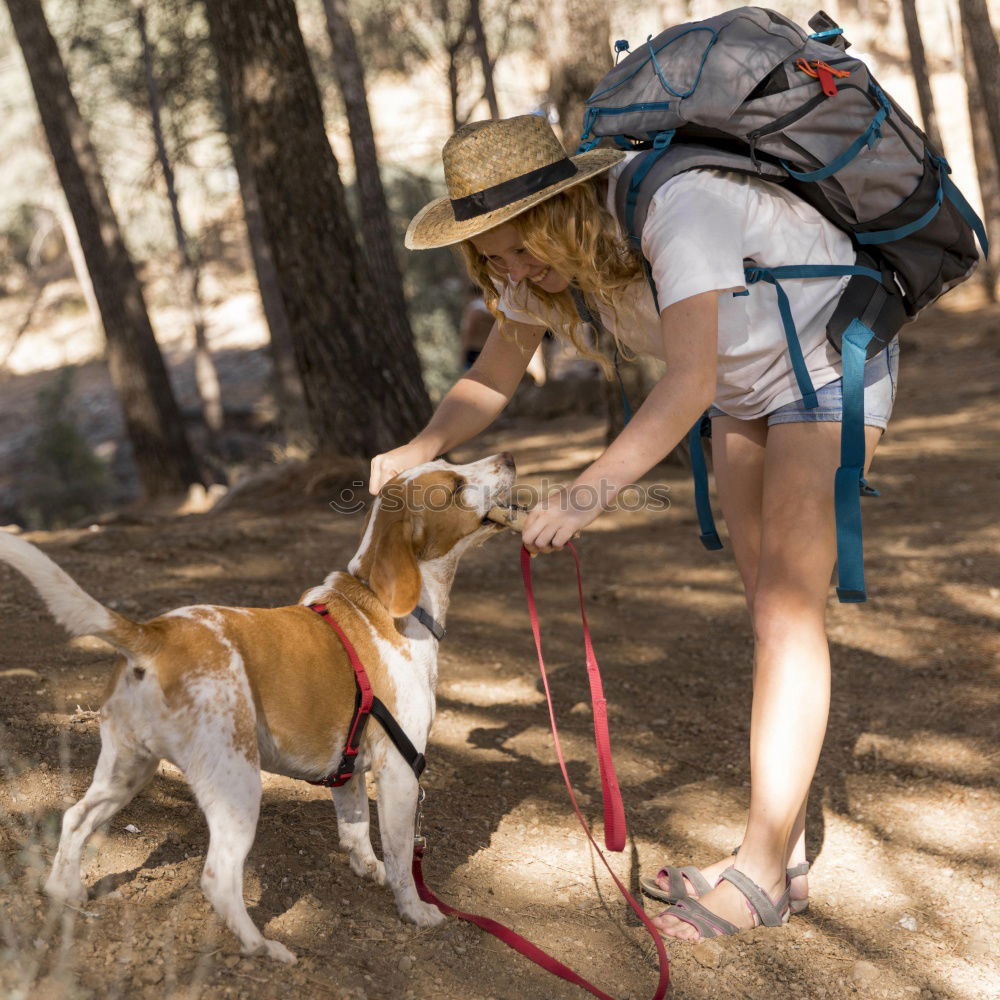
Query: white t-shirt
column 700, row 228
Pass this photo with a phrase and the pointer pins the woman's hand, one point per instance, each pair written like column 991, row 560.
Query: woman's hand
column 557, row 518
column 392, row 463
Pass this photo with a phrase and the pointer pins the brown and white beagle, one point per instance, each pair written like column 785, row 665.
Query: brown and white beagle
column 225, row 692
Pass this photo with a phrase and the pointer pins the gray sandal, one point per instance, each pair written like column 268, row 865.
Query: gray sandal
column 769, row 913
column 676, row 887
column 677, row 890
column 797, row 905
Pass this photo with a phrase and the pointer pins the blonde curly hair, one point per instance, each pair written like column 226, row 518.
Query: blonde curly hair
column 573, row 233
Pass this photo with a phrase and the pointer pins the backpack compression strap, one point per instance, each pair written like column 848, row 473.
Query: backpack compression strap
column 850, row 485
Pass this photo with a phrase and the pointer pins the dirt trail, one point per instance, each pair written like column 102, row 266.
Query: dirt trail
column 904, row 818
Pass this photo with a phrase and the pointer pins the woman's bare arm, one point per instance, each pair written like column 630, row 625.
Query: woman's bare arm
column 470, row 405
column 690, row 341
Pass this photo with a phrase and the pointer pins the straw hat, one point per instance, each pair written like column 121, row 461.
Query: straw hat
column 495, row 170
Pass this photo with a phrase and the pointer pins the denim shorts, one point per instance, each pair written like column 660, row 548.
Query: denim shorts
column 881, row 374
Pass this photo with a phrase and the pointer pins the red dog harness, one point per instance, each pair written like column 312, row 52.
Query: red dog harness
column 365, row 704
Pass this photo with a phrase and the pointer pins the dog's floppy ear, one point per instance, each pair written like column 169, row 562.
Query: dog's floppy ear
column 395, row 576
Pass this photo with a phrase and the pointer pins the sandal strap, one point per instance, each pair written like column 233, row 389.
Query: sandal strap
column 695, row 877
column 771, row 914
column 794, row 872
column 703, row 920
column 677, row 888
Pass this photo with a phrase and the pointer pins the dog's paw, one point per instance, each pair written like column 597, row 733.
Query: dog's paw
column 423, row 915
column 370, row 868
column 272, row 949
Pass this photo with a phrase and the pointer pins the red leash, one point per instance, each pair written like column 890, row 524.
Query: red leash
column 614, row 812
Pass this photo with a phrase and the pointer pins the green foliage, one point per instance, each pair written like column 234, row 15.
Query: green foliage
column 103, row 39
column 67, row 481
column 102, row 49
column 403, row 36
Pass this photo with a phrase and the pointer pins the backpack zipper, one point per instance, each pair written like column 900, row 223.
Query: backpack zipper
column 792, row 116
column 779, row 123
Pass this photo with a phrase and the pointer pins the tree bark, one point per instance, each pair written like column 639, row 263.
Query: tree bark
column 986, row 164
column 454, row 38
column 286, row 383
column 483, row 54
column 376, row 229
column 205, row 375
column 986, row 58
column 161, row 451
column 363, row 389
column 578, row 47
column 75, row 250
column 921, row 76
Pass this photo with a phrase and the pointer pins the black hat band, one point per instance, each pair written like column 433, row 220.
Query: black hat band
column 503, row 194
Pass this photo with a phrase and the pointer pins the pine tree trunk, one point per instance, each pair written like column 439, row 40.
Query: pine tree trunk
column 456, row 121
column 982, row 43
column 453, row 48
column 287, row 385
column 986, row 165
column 161, row 451
column 376, row 228
column 918, row 61
column 205, row 375
column 483, row 54
column 75, row 250
column 363, row 388
column 577, row 35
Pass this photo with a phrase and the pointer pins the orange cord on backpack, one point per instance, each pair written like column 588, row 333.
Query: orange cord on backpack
column 823, row 72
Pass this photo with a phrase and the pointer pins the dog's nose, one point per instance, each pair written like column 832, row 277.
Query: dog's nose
column 507, row 458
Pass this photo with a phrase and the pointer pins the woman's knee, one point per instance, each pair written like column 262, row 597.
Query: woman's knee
column 781, row 610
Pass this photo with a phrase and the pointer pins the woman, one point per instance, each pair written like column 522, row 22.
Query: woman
column 531, row 224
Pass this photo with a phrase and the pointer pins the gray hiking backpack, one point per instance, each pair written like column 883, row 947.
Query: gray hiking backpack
column 750, row 91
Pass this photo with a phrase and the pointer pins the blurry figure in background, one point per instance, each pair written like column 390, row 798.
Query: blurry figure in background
column 476, row 326
column 477, row 322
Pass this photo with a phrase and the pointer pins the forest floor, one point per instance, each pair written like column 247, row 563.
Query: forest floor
column 903, row 821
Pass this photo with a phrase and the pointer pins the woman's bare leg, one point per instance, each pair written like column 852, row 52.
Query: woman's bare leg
column 791, row 664
column 738, row 468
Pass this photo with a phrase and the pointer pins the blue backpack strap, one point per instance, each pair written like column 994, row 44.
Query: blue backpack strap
column 754, row 274
column 901, row 232
column 964, row 208
column 699, row 472
column 660, row 145
column 773, row 276
column 849, row 483
column 867, row 138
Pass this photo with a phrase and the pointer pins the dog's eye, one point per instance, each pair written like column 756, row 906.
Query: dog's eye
column 461, row 493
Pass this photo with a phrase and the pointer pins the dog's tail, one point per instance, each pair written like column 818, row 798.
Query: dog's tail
column 69, row 603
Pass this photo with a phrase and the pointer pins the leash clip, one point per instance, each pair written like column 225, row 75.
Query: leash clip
column 419, row 841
